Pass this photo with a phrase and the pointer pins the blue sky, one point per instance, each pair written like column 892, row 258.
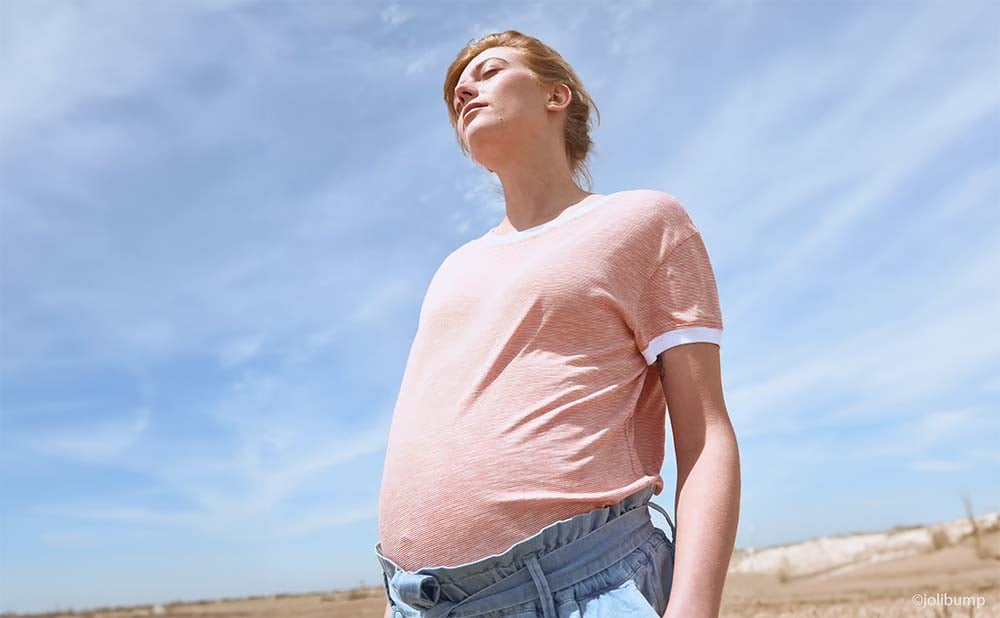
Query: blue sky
column 219, row 220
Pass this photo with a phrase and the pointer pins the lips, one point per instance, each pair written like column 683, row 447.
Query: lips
column 471, row 107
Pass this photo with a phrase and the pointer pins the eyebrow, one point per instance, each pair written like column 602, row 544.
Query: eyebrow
column 482, row 62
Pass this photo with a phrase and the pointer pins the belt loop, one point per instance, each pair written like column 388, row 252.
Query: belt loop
column 673, row 529
column 548, row 607
column 418, row 589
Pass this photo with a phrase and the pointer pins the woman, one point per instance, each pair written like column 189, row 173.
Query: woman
column 529, row 429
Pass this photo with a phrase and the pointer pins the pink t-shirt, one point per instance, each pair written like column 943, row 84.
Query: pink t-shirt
column 531, row 392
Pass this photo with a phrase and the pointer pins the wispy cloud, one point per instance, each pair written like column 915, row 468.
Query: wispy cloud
column 128, row 515
column 72, row 538
column 102, row 441
column 936, row 465
column 276, row 449
column 318, row 520
column 889, row 363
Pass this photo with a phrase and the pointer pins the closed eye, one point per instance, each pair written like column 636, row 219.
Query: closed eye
column 458, row 106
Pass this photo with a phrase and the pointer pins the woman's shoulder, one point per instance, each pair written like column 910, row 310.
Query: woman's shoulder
column 653, row 208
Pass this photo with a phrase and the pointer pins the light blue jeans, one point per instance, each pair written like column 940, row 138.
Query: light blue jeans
column 609, row 563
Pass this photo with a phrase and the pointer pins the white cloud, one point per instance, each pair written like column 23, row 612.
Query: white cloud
column 898, row 360
column 101, row 442
column 282, row 439
column 70, row 538
column 320, row 519
column 936, row 465
column 240, row 351
column 394, row 15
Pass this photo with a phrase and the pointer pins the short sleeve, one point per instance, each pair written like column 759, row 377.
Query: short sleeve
column 679, row 303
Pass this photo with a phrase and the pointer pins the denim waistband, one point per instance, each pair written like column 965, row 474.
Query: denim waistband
column 560, row 555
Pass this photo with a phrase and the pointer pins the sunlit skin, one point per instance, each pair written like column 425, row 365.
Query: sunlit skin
column 707, row 499
column 518, row 136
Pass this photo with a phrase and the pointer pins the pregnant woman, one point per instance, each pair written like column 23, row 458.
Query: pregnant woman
column 529, row 430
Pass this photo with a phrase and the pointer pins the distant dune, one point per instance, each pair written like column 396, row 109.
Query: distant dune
column 947, row 569
column 843, row 553
column 938, row 570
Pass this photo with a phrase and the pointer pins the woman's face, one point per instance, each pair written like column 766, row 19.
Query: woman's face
column 511, row 97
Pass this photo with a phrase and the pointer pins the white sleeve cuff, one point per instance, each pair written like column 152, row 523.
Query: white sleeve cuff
column 669, row 339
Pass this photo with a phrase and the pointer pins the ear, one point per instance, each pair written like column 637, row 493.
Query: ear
column 560, row 97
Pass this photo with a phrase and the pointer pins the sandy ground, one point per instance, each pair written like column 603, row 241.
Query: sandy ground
column 913, row 586
column 929, row 584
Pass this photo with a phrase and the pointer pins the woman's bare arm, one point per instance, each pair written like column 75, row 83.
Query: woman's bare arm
column 707, row 503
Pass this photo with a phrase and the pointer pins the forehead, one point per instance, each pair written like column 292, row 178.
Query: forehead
column 507, row 53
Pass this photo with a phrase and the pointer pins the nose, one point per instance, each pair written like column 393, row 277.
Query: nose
column 464, row 94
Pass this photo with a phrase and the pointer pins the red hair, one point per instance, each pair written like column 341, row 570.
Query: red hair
column 550, row 68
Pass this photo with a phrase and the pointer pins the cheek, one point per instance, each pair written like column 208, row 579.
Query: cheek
column 514, row 89
column 525, row 96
